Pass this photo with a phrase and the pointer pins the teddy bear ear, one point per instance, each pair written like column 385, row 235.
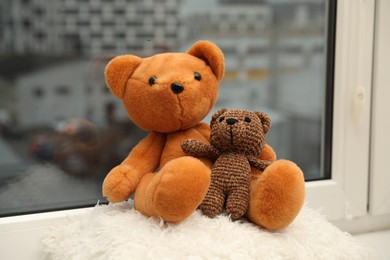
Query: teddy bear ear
column 216, row 115
column 211, row 54
column 265, row 120
column 118, row 72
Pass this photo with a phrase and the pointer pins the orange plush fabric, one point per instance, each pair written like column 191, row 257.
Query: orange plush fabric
column 168, row 95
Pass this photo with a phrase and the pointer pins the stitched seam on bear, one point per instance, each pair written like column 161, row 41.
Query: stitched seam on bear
column 181, row 111
column 139, row 79
column 125, row 87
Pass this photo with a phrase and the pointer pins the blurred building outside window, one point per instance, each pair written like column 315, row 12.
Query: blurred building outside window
column 62, row 131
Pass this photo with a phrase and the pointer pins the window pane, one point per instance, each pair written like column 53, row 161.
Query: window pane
column 62, row 130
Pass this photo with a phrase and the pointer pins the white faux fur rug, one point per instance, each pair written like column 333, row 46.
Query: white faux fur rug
column 117, row 231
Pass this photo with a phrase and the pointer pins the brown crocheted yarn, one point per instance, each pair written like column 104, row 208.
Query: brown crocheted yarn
column 237, row 138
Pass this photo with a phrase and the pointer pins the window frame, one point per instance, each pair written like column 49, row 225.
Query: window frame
column 345, row 197
column 379, row 199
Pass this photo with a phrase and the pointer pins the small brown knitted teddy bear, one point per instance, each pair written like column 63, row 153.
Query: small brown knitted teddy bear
column 237, row 138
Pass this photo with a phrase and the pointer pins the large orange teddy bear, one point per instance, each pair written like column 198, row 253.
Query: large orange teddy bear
column 168, row 95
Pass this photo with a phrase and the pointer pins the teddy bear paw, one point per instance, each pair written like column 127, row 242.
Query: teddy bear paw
column 277, row 195
column 235, row 213
column 119, row 184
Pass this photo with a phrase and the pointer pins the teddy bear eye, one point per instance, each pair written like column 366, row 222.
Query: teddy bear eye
column 247, row 119
column 197, row 76
column 152, row 80
column 221, row 118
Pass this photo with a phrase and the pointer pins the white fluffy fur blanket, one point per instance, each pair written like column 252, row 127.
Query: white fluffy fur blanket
column 117, row 231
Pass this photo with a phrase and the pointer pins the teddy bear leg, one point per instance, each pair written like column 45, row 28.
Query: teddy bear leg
column 175, row 191
column 237, row 203
column 140, row 195
column 276, row 195
column 213, row 202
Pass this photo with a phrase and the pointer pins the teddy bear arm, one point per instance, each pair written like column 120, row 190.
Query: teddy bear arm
column 204, row 130
column 122, row 180
column 145, row 156
column 268, row 153
column 199, row 149
column 257, row 163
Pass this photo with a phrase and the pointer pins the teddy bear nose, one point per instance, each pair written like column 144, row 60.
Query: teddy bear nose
column 231, row 121
column 177, row 87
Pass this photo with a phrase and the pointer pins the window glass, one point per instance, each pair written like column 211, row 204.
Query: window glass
column 61, row 131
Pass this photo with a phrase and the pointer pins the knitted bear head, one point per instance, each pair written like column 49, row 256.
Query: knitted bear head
column 239, row 131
